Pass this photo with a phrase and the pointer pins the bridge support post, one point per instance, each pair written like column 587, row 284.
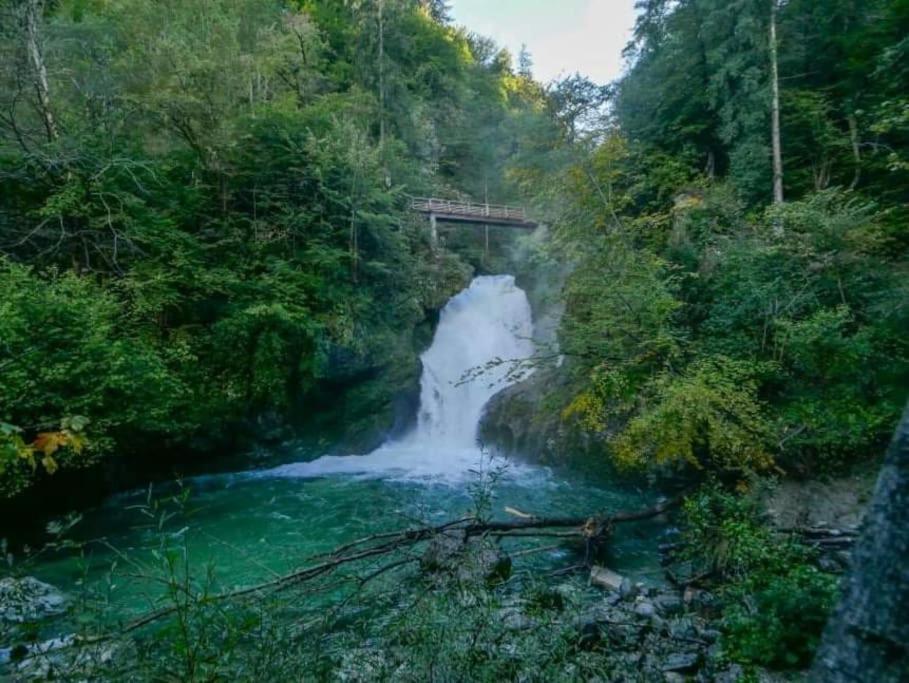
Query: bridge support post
column 433, row 232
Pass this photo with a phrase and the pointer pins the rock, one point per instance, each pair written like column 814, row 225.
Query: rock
column 682, row 662
column 829, row 565
column 844, row 557
column 633, row 658
column 605, row 578
column 645, row 609
column 700, row 599
column 599, row 614
column 66, row 658
column 690, row 595
column 673, row 677
column 488, row 562
column 709, row 634
column 569, row 591
column 669, row 605
column 362, row 665
column 628, row 590
column 682, row 629
column 442, row 552
column 467, row 561
column 514, row 619
column 682, row 572
column 27, row 599
column 733, row 674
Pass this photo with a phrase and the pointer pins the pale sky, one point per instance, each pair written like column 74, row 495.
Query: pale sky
column 563, row 36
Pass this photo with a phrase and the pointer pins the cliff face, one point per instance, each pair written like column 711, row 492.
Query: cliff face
column 524, row 421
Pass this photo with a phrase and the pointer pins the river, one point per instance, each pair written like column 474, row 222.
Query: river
column 247, row 526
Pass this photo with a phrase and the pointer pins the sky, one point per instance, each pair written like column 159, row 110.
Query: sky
column 563, row 36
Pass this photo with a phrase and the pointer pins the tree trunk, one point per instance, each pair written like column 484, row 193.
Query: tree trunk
column 867, row 639
column 856, row 150
column 775, row 85
column 33, row 43
column 382, row 75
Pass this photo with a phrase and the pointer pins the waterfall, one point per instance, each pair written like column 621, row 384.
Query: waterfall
column 490, row 321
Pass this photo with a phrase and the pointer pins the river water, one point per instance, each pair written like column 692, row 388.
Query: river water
column 250, row 525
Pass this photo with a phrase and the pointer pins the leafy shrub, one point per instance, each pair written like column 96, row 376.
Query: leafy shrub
column 776, row 601
column 724, row 535
column 709, row 416
column 779, row 617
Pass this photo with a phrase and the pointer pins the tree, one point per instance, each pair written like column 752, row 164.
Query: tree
column 579, row 104
column 664, row 101
column 867, row 639
column 775, row 122
column 525, row 62
column 33, row 13
column 439, row 10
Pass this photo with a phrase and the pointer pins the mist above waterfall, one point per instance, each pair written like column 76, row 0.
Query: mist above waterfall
column 486, row 327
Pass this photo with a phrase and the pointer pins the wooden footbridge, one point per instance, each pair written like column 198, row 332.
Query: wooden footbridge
column 455, row 211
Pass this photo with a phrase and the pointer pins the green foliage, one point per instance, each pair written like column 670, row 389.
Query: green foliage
column 700, row 326
column 776, row 600
column 780, row 619
column 699, row 90
column 723, row 534
column 217, row 232
column 64, row 353
column 731, row 341
column 709, row 417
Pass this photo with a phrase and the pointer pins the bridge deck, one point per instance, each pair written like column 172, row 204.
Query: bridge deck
column 470, row 212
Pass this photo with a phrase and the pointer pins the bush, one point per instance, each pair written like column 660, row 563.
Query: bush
column 776, row 601
column 709, row 416
column 724, row 535
column 779, row 618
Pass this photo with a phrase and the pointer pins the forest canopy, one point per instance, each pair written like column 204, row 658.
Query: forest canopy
column 718, row 321
column 203, row 218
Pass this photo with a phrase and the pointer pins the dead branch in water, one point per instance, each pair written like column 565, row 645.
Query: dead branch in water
column 386, row 543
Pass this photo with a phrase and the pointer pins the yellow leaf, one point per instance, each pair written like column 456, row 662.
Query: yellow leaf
column 49, row 464
column 77, row 442
column 49, row 442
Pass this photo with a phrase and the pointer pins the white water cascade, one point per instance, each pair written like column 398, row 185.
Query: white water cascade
column 487, row 322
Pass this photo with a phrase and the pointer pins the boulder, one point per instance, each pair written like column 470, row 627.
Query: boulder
column 486, row 562
column 514, row 619
column 442, row 552
column 733, row 674
column 645, row 609
column 363, row 664
column 67, row 658
column 669, row 605
column 472, row 561
column 605, row 578
column 709, row 634
column 628, row 590
column 682, row 662
column 682, row 629
column 28, row 599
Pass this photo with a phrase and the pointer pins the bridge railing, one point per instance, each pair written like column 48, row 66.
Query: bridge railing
column 460, row 208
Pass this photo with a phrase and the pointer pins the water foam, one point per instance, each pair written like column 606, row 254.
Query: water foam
column 487, row 326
